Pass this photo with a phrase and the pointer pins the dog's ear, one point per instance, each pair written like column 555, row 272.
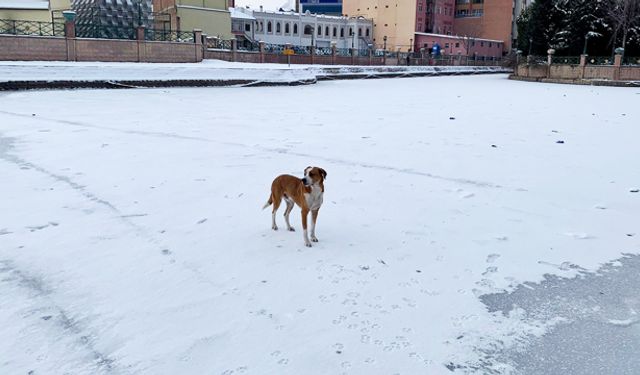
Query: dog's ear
column 324, row 173
column 306, row 169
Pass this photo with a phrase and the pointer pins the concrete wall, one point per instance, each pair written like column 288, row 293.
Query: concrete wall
column 28, row 48
column 582, row 71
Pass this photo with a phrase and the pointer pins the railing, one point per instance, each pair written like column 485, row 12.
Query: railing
column 169, row 36
column 274, row 48
column 629, row 60
column 324, row 51
column 595, row 60
column 18, row 27
column 216, row 43
column 343, row 52
column 248, row 46
column 301, row 50
column 363, row 53
column 105, row 32
column 566, row 60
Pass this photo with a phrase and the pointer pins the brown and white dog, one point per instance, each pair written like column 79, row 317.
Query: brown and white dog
column 305, row 192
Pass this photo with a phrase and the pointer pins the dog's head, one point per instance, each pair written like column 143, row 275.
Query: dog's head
column 314, row 175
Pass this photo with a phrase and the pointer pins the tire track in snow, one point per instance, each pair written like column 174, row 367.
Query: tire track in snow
column 409, row 171
column 39, row 291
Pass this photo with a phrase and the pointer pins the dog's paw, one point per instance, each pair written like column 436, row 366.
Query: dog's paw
column 291, row 229
column 308, row 244
column 275, row 227
column 314, row 239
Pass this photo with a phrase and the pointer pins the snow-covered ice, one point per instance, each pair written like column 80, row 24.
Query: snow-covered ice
column 132, row 238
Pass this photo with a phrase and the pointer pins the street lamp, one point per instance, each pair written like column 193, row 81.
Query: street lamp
column 384, row 38
column 586, row 41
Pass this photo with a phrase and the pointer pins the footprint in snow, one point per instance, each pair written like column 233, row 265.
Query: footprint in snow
column 492, row 257
column 579, row 236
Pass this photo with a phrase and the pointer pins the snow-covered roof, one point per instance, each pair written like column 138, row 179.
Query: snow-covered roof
column 238, row 13
column 24, row 4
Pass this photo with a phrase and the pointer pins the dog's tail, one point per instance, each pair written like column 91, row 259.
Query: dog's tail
column 269, row 202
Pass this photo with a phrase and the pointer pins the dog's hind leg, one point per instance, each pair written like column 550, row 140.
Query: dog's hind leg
column 276, row 205
column 287, row 211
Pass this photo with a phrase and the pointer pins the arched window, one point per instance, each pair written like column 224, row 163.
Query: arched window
column 319, row 30
column 360, row 31
column 308, row 30
column 287, row 30
column 351, row 31
column 335, row 31
column 269, row 28
column 278, row 29
column 326, row 31
column 295, row 29
column 366, row 33
column 342, row 32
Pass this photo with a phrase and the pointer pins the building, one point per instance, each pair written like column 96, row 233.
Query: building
column 328, row 7
column 34, row 10
column 302, row 29
column 111, row 18
column 477, row 48
column 211, row 16
column 492, row 19
column 487, row 19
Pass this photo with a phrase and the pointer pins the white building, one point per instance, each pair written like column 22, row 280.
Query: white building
column 301, row 29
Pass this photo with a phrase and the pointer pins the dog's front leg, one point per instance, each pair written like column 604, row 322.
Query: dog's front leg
column 305, row 214
column 314, row 217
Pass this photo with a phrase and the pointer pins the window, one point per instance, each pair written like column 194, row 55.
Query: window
column 481, row 44
column 335, row 31
column 269, row 28
column 490, row 44
column 366, row 33
column 287, row 29
column 342, row 32
column 308, row 30
column 319, row 30
column 457, row 45
column 247, row 27
column 359, row 31
column 446, row 45
column 278, row 30
column 295, row 29
column 326, row 31
column 351, row 31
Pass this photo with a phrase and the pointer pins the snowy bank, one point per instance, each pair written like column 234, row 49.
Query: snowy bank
column 34, row 75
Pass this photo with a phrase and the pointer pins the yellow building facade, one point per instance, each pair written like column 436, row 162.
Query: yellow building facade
column 211, row 16
column 34, row 10
column 393, row 19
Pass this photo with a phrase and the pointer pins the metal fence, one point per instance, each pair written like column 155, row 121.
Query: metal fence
column 595, row 60
column 91, row 30
column 18, row 27
column 217, row 43
column 630, row 60
column 248, row 46
column 169, row 36
column 566, row 60
column 343, row 52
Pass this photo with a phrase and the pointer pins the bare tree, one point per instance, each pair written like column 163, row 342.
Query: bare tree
column 624, row 15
